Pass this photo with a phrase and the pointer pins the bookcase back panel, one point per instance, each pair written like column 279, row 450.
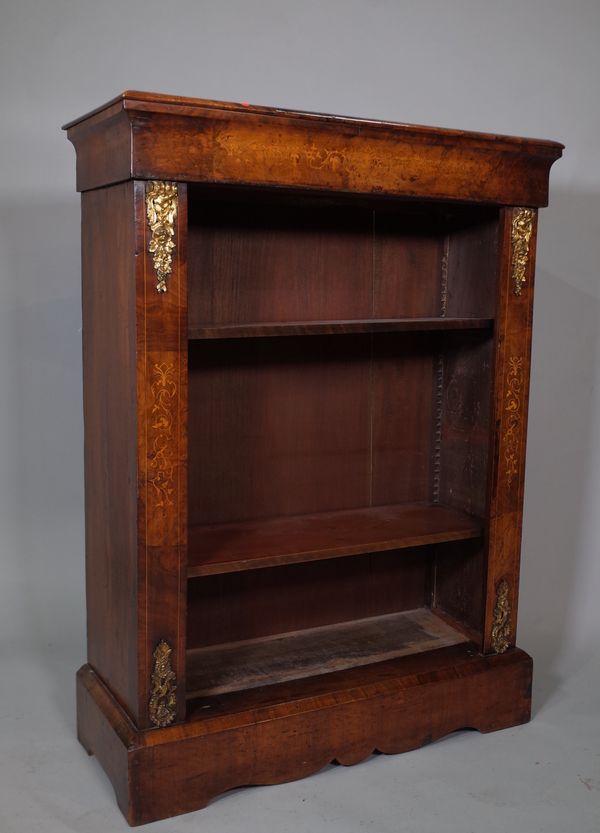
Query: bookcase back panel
column 251, row 261
column 286, row 259
column 280, row 427
column 255, row 603
column 401, row 418
column 293, row 426
column 407, row 265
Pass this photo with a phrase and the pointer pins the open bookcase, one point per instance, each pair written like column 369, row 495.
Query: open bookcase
column 306, row 361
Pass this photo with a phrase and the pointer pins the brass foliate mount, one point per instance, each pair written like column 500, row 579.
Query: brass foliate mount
column 501, row 625
column 163, row 701
column 161, row 211
column 521, row 231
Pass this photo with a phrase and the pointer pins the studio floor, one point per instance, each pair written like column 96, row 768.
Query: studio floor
column 540, row 778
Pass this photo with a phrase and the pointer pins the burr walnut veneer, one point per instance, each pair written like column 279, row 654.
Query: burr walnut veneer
column 306, row 352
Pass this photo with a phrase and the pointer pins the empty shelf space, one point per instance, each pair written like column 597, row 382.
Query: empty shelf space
column 231, row 547
column 238, row 666
column 368, row 325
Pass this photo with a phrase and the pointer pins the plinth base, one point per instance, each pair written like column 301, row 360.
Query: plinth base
column 284, row 732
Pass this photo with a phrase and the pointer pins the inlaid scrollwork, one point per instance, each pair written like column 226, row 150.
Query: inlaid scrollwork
column 162, row 416
column 513, row 417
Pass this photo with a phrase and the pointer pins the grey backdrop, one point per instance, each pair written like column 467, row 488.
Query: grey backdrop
column 530, row 67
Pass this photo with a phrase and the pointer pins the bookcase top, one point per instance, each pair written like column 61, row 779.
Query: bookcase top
column 149, row 135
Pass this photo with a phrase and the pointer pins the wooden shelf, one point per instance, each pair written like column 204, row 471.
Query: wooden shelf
column 270, row 660
column 248, row 545
column 366, row 325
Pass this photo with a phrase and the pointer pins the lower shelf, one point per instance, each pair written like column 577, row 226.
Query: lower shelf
column 269, row 660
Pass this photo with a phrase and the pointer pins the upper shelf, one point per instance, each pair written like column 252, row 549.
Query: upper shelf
column 365, row 325
column 248, row 545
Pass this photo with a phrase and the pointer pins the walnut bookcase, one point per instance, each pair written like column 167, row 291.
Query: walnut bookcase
column 306, row 365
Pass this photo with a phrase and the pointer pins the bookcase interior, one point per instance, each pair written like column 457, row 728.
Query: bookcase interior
column 340, row 367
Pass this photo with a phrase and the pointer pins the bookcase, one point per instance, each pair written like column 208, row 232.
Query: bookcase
column 306, row 346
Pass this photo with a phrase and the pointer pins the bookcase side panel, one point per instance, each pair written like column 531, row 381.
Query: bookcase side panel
column 109, row 392
column 510, row 405
column 161, row 212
